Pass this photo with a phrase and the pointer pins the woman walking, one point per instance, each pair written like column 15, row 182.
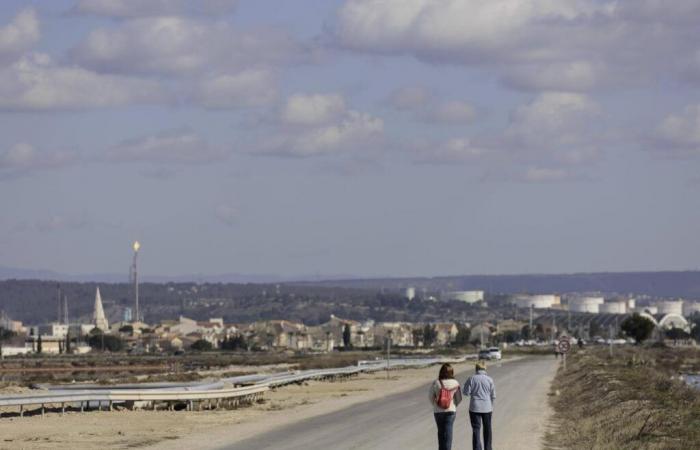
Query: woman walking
column 445, row 395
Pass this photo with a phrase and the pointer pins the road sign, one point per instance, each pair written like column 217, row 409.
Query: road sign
column 564, row 346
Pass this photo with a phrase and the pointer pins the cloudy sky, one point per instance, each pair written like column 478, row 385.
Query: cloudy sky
column 363, row 137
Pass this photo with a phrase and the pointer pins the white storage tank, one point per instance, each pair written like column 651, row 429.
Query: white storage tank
column 465, row 296
column 670, row 307
column 615, row 307
column 586, row 304
column 536, row 301
column 690, row 308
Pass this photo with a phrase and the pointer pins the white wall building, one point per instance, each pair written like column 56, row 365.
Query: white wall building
column 464, row 296
column 410, row 293
column 536, row 301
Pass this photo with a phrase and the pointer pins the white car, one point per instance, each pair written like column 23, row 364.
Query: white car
column 490, row 353
column 495, row 353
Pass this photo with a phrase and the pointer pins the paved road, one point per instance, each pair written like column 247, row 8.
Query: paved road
column 405, row 421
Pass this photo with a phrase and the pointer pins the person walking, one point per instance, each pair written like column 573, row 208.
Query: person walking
column 445, row 395
column 482, row 393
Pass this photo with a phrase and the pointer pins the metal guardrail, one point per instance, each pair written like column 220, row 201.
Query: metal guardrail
column 238, row 389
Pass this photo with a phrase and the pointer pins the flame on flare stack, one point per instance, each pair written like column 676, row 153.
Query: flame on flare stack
column 137, row 246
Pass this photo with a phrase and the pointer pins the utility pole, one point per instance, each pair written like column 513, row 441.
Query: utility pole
column 554, row 324
column 532, row 307
column 65, row 310
column 388, row 352
column 610, row 333
column 58, row 295
column 134, row 269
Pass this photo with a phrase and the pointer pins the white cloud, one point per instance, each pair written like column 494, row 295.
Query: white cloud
column 35, row 83
column 22, row 158
column 679, row 133
column 227, row 214
column 451, row 112
column 249, row 88
column 555, row 137
column 20, row 34
column 181, row 46
column 544, row 175
column 533, row 44
column 455, row 150
column 141, row 8
column 315, row 135
column 410, row 98
column 178, row 147
column 556, row 125
column 53, row 223
column 312, row 109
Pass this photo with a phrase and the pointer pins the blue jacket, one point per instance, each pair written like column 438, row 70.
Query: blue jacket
column 481, row 392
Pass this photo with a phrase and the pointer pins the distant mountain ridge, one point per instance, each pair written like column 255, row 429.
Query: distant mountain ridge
column 11, row 273
column 684, row 284
column 660, row 283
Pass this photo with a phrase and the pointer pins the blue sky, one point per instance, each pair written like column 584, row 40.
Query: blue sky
column 358, row 137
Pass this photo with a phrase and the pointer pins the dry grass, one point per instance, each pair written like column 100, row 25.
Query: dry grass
column 632, row 401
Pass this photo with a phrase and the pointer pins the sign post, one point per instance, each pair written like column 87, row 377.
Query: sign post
column 564, row 346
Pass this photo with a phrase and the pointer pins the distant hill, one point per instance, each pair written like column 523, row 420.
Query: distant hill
column 11, row 273
column 684, row 284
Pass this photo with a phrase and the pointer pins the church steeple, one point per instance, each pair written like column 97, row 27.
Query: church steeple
column 98, row 316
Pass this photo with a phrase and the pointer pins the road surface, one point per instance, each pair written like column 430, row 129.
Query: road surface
column 405, row 420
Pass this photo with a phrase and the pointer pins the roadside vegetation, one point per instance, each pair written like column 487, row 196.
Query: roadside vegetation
column 633, row 400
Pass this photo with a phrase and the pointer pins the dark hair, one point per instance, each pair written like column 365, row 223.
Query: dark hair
column 446, row 372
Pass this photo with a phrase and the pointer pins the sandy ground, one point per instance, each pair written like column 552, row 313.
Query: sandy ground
column 200, row 429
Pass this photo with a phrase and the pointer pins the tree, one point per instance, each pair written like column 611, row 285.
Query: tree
column 525, row 333
column 676, row 334
column 201, row 345
column 417, row 337
column 429, row 335
column 237, row 342
column 638, row 327
column 127, row 329
column 111, row 343
column 695, row 326
column 68, row 349
column 347, row 336
column 463, row 335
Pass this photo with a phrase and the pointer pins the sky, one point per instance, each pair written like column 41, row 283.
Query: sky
column 352, row 137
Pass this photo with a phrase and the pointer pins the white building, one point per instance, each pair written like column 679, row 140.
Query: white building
column 536, row 301
column 465, row 296
column 410, row 293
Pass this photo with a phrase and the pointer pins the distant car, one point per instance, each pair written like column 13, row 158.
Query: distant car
column 490, row 353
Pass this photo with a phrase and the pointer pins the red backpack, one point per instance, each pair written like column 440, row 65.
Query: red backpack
column 444, row 397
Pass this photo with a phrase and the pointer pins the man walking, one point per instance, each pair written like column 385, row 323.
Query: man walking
column 481, row 392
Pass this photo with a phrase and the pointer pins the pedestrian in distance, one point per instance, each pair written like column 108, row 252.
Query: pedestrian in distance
column 482, row 393
column 445, row 395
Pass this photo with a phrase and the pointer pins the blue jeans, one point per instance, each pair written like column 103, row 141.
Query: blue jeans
column 476, row 420
column 444, row 422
